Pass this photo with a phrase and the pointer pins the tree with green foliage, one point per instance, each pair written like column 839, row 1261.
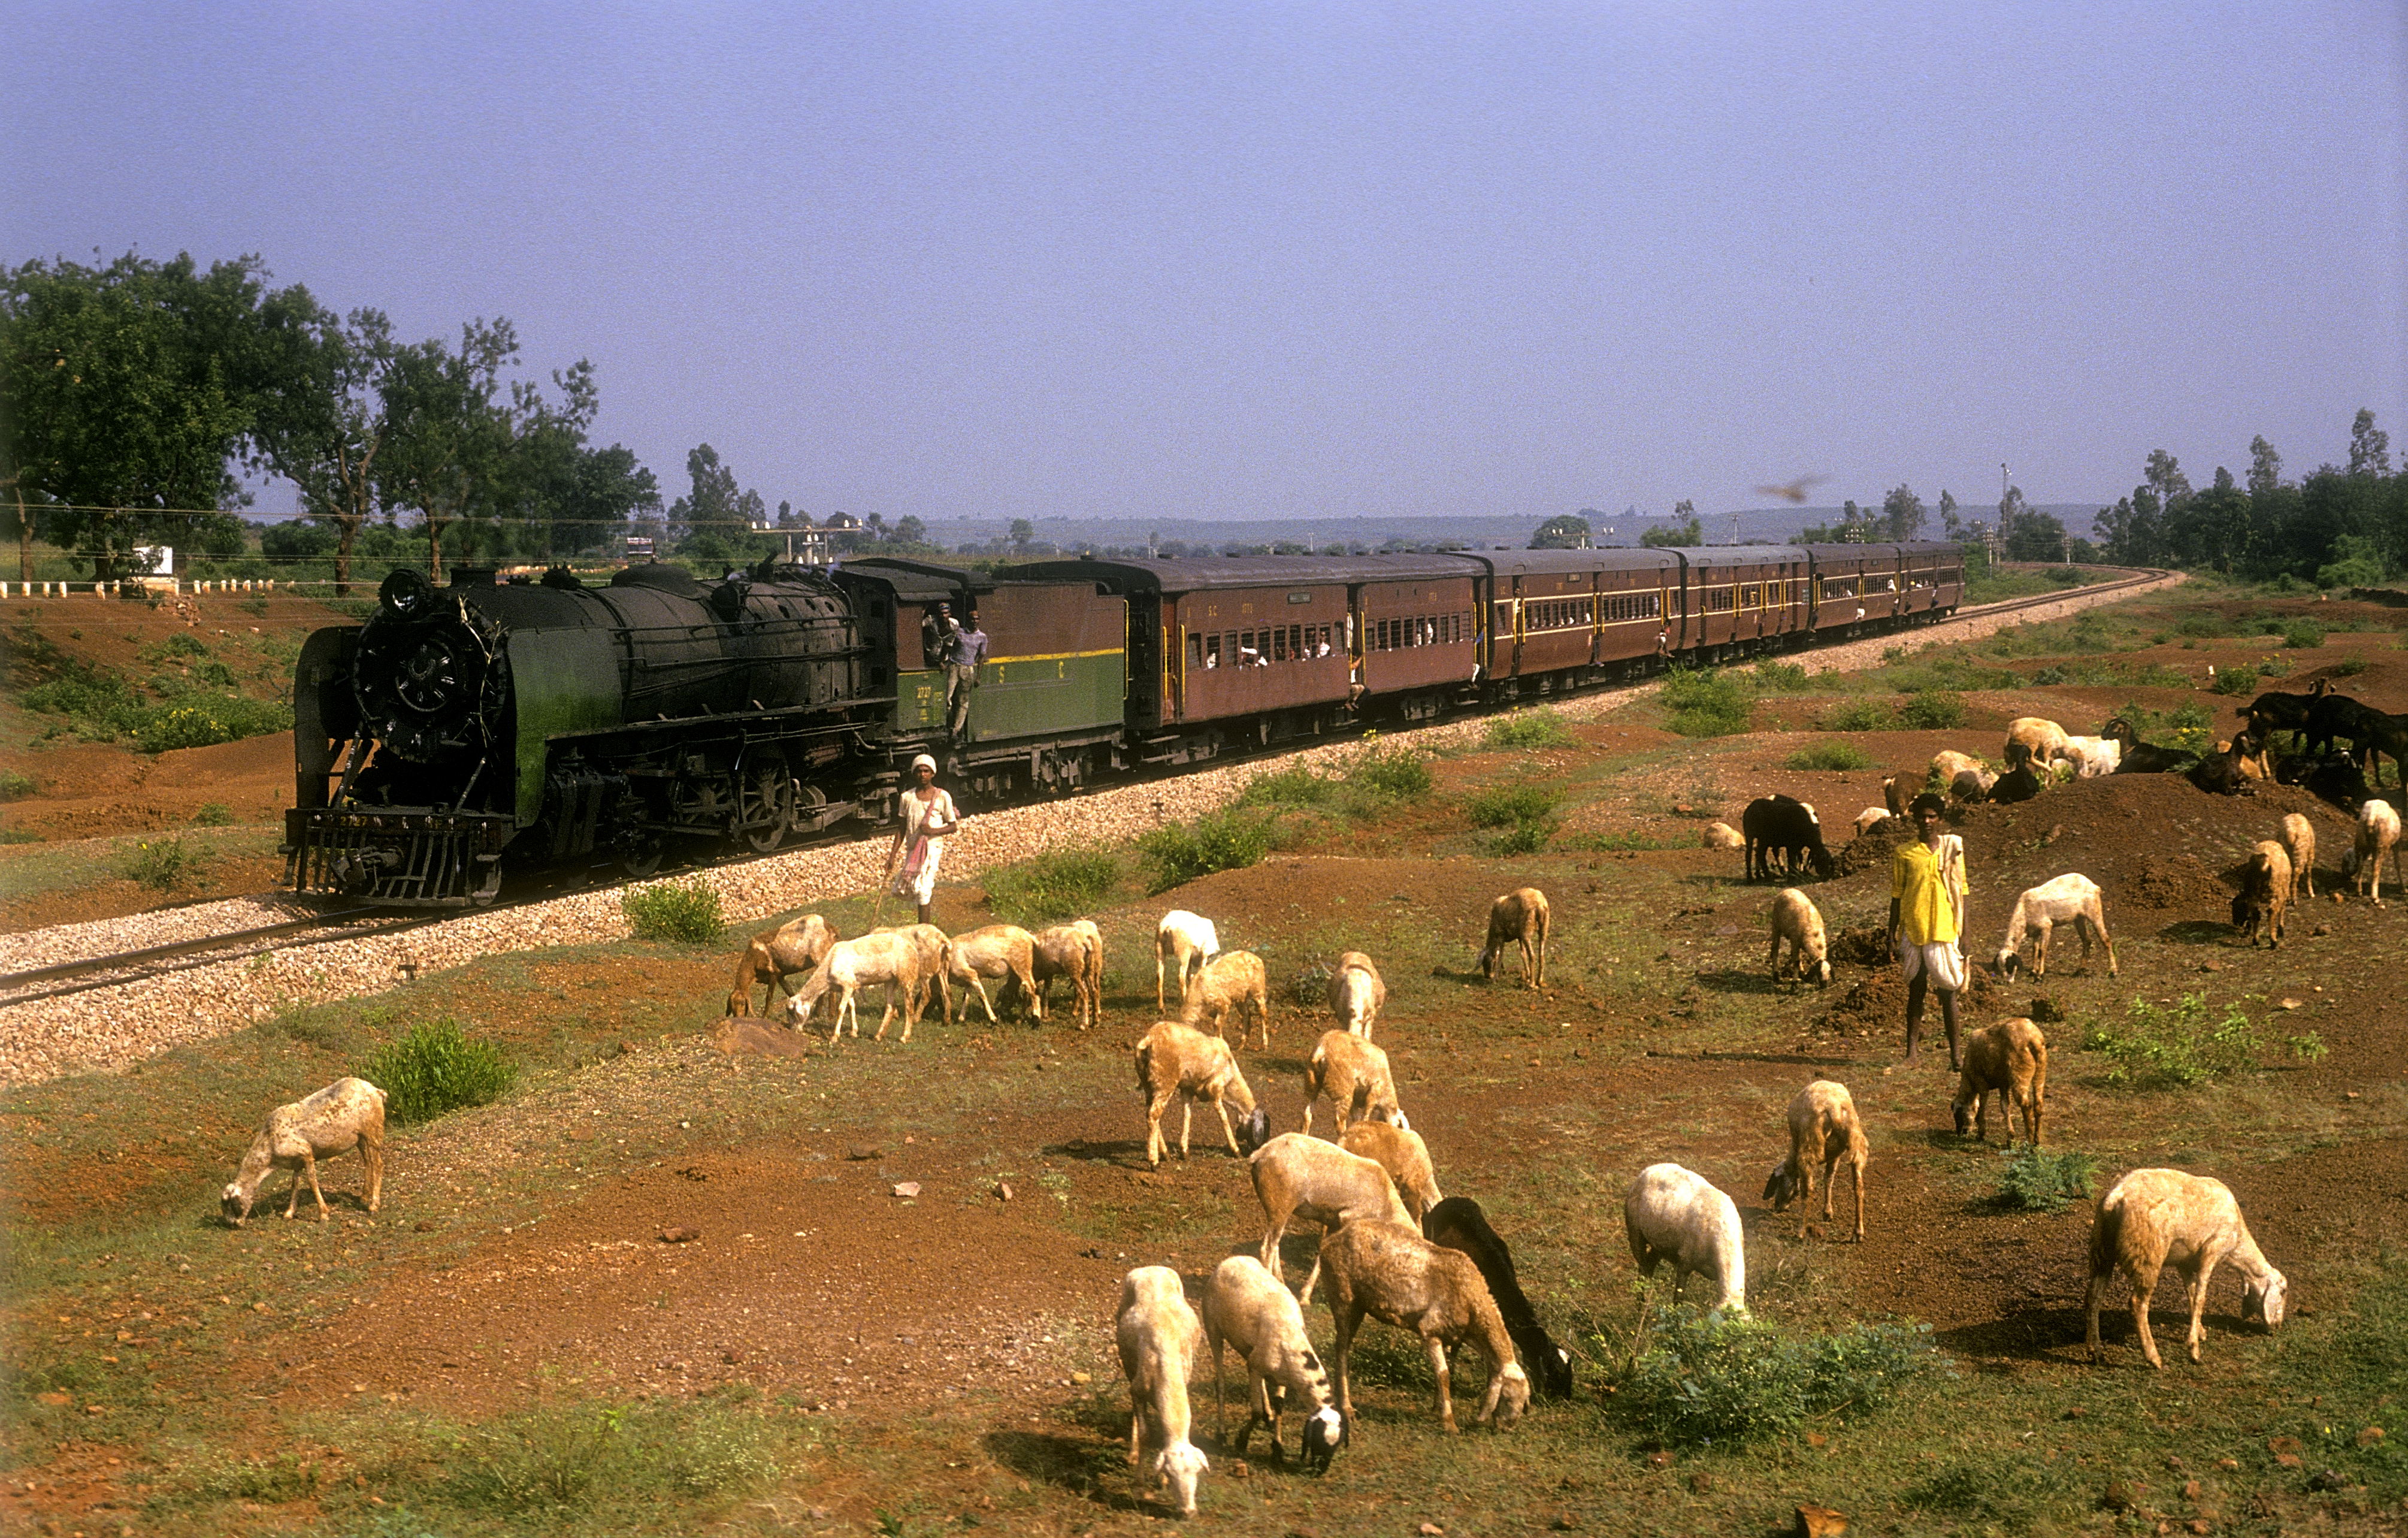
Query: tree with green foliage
column 713, row 521
column 322, row 418
column 1950, row 522
column 1564, row 531
column 2370, row 447
column 449, row 430
column 2265, row 467
column 568, row 496
column 1682, row 535
column 125, row 393
column 2036, row 535
column 1903, row 512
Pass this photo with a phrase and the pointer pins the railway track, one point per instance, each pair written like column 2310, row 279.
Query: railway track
column 102, row 971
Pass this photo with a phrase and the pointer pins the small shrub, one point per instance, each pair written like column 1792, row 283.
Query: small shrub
column 1831, row 756
column 257, row 605
column 1298, row 785
column 1703, row 1378
column 2037, row 1182
column 1310, row 988
column 1534, row 729
column 1220, row 840
column 1780, row 678
column 2205, row 625
column 163, row 865
column 1506, row 805
column 19, row 834
column 2350, row 667
column 1389, row 771
column 1932, row 710
column 181, row 644
column 217, row 674
column 2239, row 679
column 15, row 786
column 282, row 1477
column 1522, row 839
column 436, row 1069
column 687, row 910
column 2303, row 635
column 2309, row 1048
column 1859, row 715
column 1704, row 703
column 212, row 814
column 2175, row 1046
column 1058, row 885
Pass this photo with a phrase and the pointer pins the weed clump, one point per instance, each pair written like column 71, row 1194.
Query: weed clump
column 1706, row 703
column 15, row 786
column 2037, row 1182
column 687, row 910
column 1780, row 678
column 1509, row 804
column 1859, row 715
column 212, row 814
column 1714, row 1378
column 567, row 1457
column 2185, row 1044
column 1220, row 840
column 1831, row 756
column 1933, row 710
column 1298, row 785
column 434, row 1069
column 2239, row 679
column 2303, row 635
column 163, row 865
column 1533, row 729
column 1389, row 771
column 1522, row 839
column 1058, row 885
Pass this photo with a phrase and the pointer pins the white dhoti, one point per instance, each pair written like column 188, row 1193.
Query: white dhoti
column 1940, row 961
column 917, row 879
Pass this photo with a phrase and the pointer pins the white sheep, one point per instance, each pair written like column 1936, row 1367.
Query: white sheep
column 1391, row 1273
column 1401, row 1152
column 1175, row 1061
column 2151, row 1218
column 1520, row 919
column 772, row 956
column 1075, row 951
column 2097, row 755
column 2070, row 899
column 1870, row 818
column 1234, row 982
column 1721, row 836
column 1296, row 1175
column 1245, row 1305
column 345, row 1115
column 1188, row 940
column 1796, row 921
column 2011, row 1057
column 1676, row 1214
column 1948, row 763
column 1824, row 1129
column 1354, row 1075
column 1005, row 952
column 935, row 947
column 2378, row 834
column 2298, row 841
column 1157, row 1335
column 1356, row 994
column 881, row 957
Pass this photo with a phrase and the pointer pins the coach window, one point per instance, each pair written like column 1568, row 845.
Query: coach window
column 1195, row 652
column 1212, row 650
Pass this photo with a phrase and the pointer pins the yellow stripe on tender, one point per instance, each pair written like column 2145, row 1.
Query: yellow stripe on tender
column 1056, row 656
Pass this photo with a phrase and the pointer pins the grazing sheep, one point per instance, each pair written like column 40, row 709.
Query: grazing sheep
column 2070, row 899
column 1401, row 1152
column 1522, row 917
column 1796, row 920
column 1783, row 825
column 1232, row 981
column 2098, row 755
column 1075, row 951
column 2378, row 834
column 1157, row 1334
column 1354, row 1075
column 2151, row 1218
column 1245, row 1305
column 1971, row 786
column 881, row 957
column 1172, row 1060
column 2043, row 739
column 1297, row 1176
column 935, row 948
column 2265, row 895
column 1824, row 1129
column 1721, row 836
column 2010, row 1057
column 1676, row 1214
column 1356, row 994
column 345, row 1115
column 1458, row 1224
column 1868, row 818
column 796, row 946
column 2298, row 841
column 1005, row 951
column 1948, row 763
column 1186, row 941
column 1898, row 793
column 1390, row 1272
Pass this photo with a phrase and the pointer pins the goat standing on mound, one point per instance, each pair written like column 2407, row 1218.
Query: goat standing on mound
column 345, row 1115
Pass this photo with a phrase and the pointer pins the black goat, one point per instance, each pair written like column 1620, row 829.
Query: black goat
column 2334, row 717
column 2019, row 783
column 2140, row 757
column 1783, row 826
column 2281, row 712
column 2220, row 773
column 1458, row 1224
column 2336, row 778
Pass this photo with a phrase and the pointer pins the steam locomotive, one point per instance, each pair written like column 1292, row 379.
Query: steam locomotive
column 485, row 723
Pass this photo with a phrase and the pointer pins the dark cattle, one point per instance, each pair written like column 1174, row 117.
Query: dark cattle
column 1458, row 1224
column 1780, row 825
column 2283, row 712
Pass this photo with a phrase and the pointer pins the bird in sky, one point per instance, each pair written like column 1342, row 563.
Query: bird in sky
column 1796, row 491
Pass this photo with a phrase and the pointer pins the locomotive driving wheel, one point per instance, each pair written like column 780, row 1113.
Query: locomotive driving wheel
column 765, row 804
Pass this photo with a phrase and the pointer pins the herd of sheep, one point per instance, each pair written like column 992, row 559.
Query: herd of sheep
column 1394, row 1247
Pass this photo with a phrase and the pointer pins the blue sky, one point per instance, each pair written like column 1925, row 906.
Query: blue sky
column 1256, row 262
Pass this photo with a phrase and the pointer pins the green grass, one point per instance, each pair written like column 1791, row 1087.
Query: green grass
column 684, row 911
column 166, row 865
column 2033, row 1181
column 1522, row 839
column 212, row 814
column 1298, row 785
column 1390, row 771
column 1179, row 853
column 437, row 1068
column 99, row 705
column 1057, row 886
column 1932, row 710
column 1701, row 1379
column 1831, row 756
column 1529, row 728
column 1859, row 715
column 1704, row 703
column 2185, row 1044
column 1505, row 805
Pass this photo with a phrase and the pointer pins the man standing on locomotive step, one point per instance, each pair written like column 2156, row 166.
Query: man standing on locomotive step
column 967, row 651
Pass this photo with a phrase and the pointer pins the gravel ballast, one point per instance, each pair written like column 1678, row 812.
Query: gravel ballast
column 107, row 1029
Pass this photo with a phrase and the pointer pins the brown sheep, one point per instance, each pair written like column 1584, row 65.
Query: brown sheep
column 1390, row 1272
column 2298, row 841
column 2265, row 896
column 1234, row 982
column 1073, row 951
column 1004, row 952
column 1175, row 1061
column 2154, row 1217
column 345, row 1115
column 1401, row 1152
column 1824, row 1129
column 2012, row 1058
column 1356, row 994
column 1522, row 918
column 1354, row 1075
column 774, row 955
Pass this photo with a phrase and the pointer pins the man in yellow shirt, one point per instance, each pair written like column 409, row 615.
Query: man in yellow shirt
column 1927, row 920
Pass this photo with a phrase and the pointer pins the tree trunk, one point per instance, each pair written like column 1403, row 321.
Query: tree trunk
column 435, row 527
column 349, row 527
column 24, row 540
